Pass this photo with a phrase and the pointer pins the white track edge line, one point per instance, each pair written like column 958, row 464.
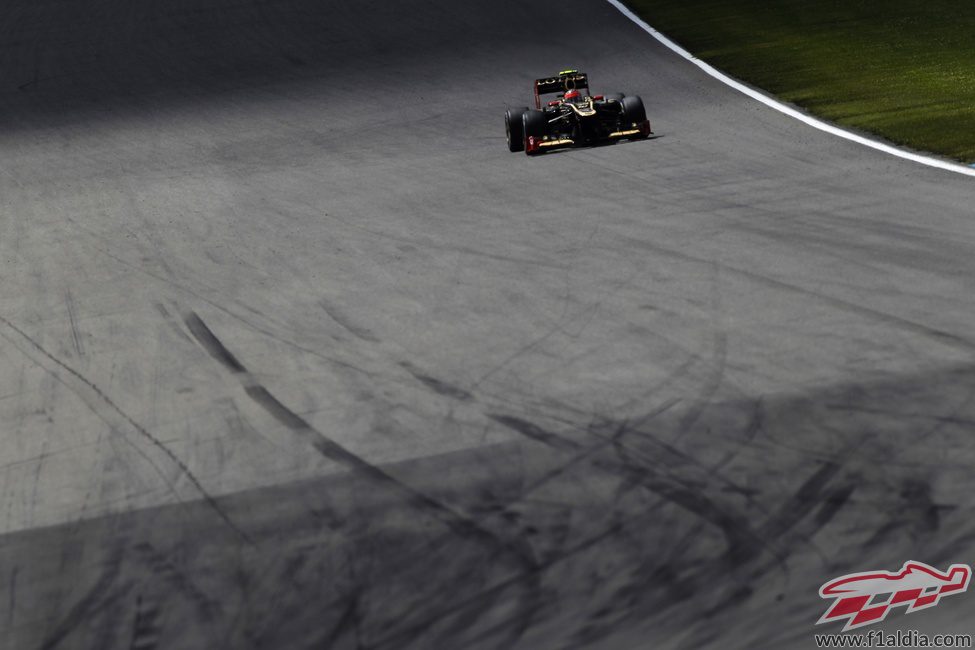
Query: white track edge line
column 791, row 112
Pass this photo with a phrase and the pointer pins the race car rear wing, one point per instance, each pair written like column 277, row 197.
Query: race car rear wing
column 563, row 81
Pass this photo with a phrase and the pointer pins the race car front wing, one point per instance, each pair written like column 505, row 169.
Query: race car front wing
column 535, row 144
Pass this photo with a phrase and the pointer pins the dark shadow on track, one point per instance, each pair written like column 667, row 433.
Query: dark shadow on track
column 101, row 58
column 612, row 534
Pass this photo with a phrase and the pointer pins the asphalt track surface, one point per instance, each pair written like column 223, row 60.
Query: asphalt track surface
column 294, row 353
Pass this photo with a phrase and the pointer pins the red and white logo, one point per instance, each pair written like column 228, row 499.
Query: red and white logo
column 866, row 598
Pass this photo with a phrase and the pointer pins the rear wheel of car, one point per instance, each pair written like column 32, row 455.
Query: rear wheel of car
column 533, row 126
column 513, row 128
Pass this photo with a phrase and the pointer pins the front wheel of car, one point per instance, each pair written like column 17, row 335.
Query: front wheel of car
column 634, row 114
column 513, row 128
column 534, row 126
column 633, row 110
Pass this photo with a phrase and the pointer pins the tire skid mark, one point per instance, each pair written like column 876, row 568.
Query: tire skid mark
column 436, row 385
column 718, row 361
column 82, row 382
column 427, row 244
column 172, row 322
column 823, row 502
column 827, row 504
column 916, row 514
column 940, row 335
column 711, row 385
column 671, row 378
column 455, row 521
column 73, row 321
column 527, row 347
column 212, row 344
column 534, row 432
column 655, row 473
column 488, row 594
column 832, row 503
column 145, row 629
column 347, row 625
column 668, row 456
column 216, row 305
column 755, row 424
column 12, row 595
column 738, row 533
column 346, row 323
column 790, row 524
column 458, row 523
column 809, row 495
column 608, row 434
column 94, row 600
column 163, row 569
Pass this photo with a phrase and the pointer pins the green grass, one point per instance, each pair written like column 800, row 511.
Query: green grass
column 902, row 69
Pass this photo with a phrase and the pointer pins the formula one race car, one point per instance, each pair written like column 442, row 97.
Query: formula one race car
column 575, row 117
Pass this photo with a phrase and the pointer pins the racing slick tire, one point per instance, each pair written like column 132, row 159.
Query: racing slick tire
column 633, row 110
column 513, row 128
column 635, row 113
column 616, row 97
column 534, row 126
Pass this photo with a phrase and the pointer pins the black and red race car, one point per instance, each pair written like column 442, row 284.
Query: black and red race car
column 574, row 117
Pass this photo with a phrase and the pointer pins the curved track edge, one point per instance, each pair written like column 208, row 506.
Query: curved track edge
column 781, row 107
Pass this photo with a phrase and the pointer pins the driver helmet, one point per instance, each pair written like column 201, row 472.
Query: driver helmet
column 573, row 96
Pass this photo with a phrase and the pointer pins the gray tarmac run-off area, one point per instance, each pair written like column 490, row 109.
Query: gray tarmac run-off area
column 294, row 353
